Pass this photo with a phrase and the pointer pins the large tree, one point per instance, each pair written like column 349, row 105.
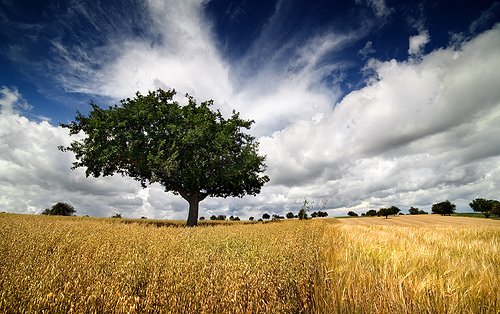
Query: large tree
column 443, row 208
column 483, row 205
column 189, row 149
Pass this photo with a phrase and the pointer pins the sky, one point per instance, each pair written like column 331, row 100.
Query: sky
column 358, row 104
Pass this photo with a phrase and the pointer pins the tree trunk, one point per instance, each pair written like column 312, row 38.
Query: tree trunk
column 194, row 203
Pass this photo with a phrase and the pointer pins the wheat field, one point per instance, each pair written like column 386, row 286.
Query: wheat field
column 88, row 265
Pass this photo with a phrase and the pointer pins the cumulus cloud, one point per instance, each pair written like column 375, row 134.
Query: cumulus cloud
column 417, row 43
column 418, row 132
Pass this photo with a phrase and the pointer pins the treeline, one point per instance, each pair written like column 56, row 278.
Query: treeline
column 488, row 207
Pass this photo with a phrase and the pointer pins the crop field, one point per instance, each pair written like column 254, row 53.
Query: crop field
column 89, row 265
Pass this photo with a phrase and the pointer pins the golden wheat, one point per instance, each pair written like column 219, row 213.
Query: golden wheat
column 94, row 266
column 412, row 269
column 88, row 265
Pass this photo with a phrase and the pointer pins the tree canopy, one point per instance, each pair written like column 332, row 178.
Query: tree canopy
column 483, row 206
column 443, row 208
column 60, row 209
column 190, row 150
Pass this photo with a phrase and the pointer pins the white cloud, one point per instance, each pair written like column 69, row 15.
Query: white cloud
column 418, row 42
column 422, row 132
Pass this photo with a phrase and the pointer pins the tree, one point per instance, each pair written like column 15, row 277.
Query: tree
column 384, row 212
column 60, row 209
column 496, row 209
column 443, row 208
column 221, row 217
column 314, row 214
column 289, row 215
column 266, row 216
column 371, row 213
column 352, row 214
column 393, row 210
column 202, row 218
column 190, row 150
column 322, row 214
column 251, row 218
column 416, row 211
column 213, row 217
column 413, row 211
column 117, row 215
column 483, row 205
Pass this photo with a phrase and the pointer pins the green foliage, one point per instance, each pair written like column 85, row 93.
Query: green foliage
column 190, row 150
column 289, row 215
column 322, row 214
column 202, row 218
column 416, row 211
column 443, row 208
column 393, row 210
column 117, row 215
column 352, row 214
column 371, row 213
column 60, row 209
column 496, row 209
column 483, row 206
column 251, row 218
column 266, row 216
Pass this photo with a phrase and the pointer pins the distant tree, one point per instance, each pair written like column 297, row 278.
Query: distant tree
column 289, row 215
column 416, row 211
column 60, row 209
column 384, row 212
column 314, row 214
column 190, row 150
column 393, row 210
column 251, row 218
column 352, row 214
column 483, row 206
column 231, row 217
column 413, row 211
column 322, row 214
column 496, row 209
column 443, row 208
column 202, row 218
column 213, row 217
column 147, row 218
column 363, row 214
column 266, row 216
column 371, row 213
column 260, row 219
column 117, row 215
column 221, row 217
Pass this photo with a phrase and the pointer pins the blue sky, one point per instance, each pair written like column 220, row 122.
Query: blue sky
column 358, row 104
